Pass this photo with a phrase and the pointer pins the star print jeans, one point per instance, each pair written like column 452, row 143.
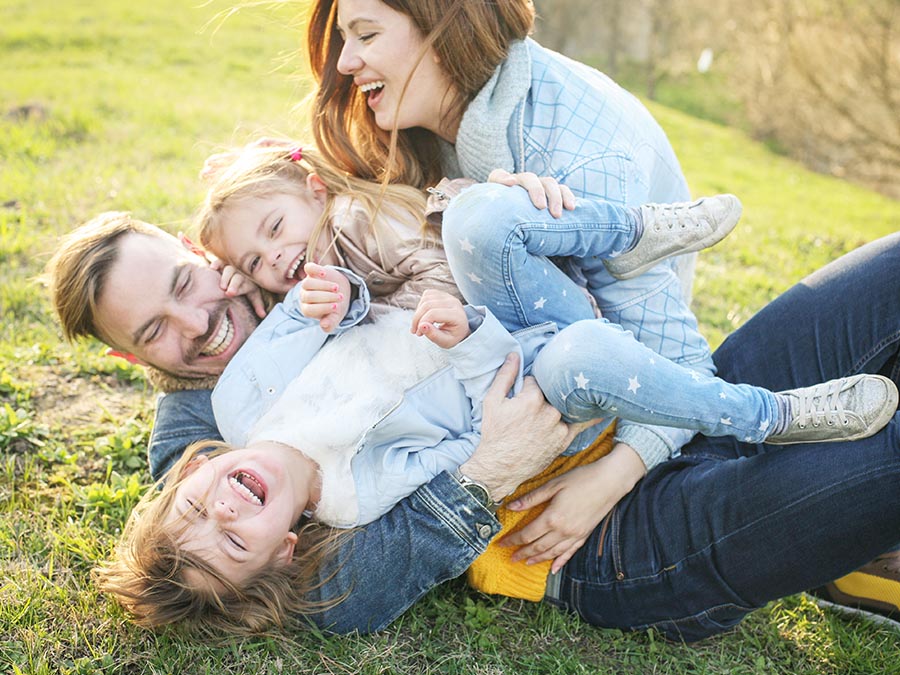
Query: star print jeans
column 499, row 247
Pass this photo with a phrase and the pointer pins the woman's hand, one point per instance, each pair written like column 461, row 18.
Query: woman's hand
column 579, row 500
column 324, row 295
column 520, row 436
column 441, row 318
column 545, row 192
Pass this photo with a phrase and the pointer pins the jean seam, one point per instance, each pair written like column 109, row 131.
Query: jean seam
column 787, row 507
column 879, row 346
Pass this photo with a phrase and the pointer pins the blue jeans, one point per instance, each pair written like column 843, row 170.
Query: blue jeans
column 705, row 538
column 499, row 248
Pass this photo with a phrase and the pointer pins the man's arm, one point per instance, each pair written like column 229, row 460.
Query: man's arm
column 182, row 417
column 435, row 533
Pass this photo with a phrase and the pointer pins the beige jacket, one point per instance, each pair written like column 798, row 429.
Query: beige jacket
column 399, row 264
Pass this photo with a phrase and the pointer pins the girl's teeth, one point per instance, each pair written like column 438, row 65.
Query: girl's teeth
column 369, row 86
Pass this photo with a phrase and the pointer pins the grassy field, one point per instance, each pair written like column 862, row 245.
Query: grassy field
column 113, row 105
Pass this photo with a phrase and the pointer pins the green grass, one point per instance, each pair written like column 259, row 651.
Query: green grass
column 126, row 100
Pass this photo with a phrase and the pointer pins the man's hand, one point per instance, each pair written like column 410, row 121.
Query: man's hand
column 324, row 295
column 520, row 436
column 441, row 318
column 579, row 500
column 545, row 192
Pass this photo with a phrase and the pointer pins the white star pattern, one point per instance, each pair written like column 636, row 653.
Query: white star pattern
column 722, row 395
column 747, row 439
column 652, row 361
column 466, row 245
column 565, row 293
column 567, row 347
column 633, row 384
column 695, row 376
column 474, row 277
column 764, row 425
column 546, row 272
column 581, row 381
column 726, row 421
column 540, row 303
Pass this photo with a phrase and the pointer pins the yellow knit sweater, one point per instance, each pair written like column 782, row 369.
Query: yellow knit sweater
column 493, row 571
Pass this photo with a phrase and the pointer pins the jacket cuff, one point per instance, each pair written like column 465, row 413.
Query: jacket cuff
column 650, row 446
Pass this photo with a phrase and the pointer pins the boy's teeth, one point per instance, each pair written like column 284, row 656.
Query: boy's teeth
column 369, row 86
column 237, row 481
column 221, row 340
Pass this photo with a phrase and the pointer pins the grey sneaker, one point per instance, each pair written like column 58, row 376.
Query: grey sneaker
column 839, row 410
column 671, row 229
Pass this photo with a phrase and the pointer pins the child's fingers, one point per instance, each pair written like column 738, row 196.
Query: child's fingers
column 318, row 284
column 321, row 297
column 256, row 301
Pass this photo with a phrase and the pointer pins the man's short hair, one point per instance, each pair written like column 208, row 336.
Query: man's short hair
column 76, row 274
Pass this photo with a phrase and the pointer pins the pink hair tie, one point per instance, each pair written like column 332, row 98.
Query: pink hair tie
column 296, row 155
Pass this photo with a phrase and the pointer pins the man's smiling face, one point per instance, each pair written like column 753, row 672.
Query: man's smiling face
column 163, row 304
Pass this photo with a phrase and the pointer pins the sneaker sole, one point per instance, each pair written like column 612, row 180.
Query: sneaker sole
column 725, row 227
column 886, row 415
column 859, row 612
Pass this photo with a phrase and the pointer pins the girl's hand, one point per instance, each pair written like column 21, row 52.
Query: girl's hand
column 324, row 295
column 441, row 318
column 579, row 500
column 544, row 191
column 234, row 283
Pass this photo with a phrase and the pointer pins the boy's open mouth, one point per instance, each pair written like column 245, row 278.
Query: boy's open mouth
column 248, row 486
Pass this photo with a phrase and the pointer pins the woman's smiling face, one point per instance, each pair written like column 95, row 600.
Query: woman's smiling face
column 381, row 52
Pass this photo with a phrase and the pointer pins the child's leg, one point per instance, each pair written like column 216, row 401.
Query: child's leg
column 499, row 247
column 595, row 369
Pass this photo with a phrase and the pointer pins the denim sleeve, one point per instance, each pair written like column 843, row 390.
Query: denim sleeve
column 431, row 536
column 182, row 417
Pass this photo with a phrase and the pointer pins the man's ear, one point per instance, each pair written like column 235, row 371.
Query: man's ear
column 317, row 187
column 128, row 356
column 191, row 246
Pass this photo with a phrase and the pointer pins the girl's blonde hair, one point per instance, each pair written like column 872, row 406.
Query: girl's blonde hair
column 263, row 171
column 149, row 572
column 470, row 38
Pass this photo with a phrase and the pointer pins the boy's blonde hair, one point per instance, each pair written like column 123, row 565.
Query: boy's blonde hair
column 470, row 38
column 282, row 169
column 76, row 274
column 158, row 582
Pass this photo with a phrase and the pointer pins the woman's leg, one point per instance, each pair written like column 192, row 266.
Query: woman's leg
column 499, row 247
column 594, row 367
column 699, row 543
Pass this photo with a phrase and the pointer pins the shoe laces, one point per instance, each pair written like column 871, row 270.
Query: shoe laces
column 821, row 402
column 672, row 215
